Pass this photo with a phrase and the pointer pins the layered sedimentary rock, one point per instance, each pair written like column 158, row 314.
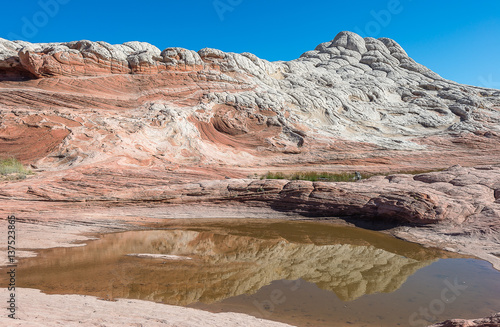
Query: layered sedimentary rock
column 347, row 99
column 492, row 321
column 109, row 112
column 457, row 195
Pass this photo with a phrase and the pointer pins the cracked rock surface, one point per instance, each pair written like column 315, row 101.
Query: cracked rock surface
column 85, row 101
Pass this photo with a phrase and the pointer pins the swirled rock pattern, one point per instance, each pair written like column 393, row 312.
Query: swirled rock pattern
column 350, row 98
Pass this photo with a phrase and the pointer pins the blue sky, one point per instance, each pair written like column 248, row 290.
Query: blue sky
column 460, row 40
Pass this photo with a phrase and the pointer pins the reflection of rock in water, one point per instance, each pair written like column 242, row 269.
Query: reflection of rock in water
column 349, row 270
column 224, row 266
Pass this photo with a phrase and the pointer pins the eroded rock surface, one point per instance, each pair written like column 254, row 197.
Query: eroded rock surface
column 348, row 99
column 458, row 195
column 493, row 321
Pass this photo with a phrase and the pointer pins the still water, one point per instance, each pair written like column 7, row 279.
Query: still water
column 302, row 273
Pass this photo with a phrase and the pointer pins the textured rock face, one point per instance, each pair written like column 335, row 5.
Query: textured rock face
column 348, row 98
column 455, row 195
column 85, row 58
column 493, row 321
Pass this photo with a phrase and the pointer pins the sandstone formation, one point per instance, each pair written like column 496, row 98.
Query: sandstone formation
column 351, row 98
column 458, row 194
column 493, row 321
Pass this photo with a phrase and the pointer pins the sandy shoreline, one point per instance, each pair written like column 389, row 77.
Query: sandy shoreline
column 38, row 309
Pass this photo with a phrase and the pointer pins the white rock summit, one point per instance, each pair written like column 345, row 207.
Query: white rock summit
column 216, row 105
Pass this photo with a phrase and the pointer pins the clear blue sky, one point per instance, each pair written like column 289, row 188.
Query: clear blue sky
column 460, row 40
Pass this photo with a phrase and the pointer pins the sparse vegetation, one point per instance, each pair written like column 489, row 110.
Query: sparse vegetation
column 12, row 169
column 334, row 177
column 313, row 176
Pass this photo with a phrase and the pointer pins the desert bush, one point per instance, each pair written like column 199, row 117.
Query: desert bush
column 12, row 168
column 334, row 177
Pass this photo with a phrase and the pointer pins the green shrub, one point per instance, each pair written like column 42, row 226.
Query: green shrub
column 11, row 168
column 334, row 177
column 312, row 176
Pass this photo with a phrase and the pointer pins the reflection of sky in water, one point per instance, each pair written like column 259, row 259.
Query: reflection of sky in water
column 231, row 268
